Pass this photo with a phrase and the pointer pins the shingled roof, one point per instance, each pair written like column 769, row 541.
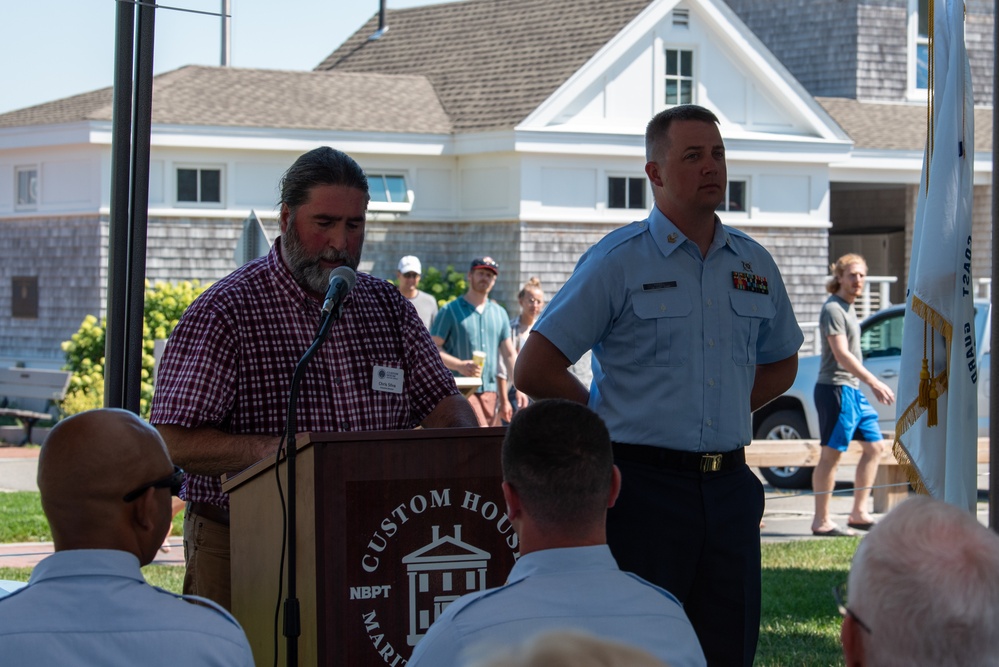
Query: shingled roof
column 491, row 63
column 231, row 97
column 881, row 126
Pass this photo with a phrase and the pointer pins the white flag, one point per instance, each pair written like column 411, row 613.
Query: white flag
column 937, row 438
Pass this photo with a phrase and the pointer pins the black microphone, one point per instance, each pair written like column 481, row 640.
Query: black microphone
column 342, row 280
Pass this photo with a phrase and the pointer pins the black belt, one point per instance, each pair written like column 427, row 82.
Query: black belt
column 673, row 459
column 209, row 511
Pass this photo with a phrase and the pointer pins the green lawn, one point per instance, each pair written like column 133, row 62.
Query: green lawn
column 800, row 624
column 799, row 627
column 22, row 519
column 168, row 577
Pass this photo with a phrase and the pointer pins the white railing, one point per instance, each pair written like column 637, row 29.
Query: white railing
column 876, row 297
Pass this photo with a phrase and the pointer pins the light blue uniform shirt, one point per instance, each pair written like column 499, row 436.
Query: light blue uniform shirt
column 578, row 588
column 677, row 338
column 93, row 607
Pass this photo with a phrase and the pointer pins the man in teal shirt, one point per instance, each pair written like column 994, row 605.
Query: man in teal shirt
column 474, row 323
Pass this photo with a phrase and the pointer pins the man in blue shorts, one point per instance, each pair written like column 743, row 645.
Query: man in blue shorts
column 843, row 409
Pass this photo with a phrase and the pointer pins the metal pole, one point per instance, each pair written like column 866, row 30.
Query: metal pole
column 121, row 130
column 139, row 205
column 994, row 363
column 130, row 134
column 226, row 57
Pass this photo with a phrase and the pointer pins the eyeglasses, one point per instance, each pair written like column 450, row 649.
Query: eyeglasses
column 172, row 482
column 533, row 300
column 411, row 275
column 839, row 594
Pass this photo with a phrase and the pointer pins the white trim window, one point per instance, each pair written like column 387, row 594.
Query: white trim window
column 736, row 197
column 919, row 48
column 26, row 187
column 389, row 192
column 199, row 186
column 626, row 192
column 679, row 76
column 389, row 188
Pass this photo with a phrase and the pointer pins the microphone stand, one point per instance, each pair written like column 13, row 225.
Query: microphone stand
column 292, row 614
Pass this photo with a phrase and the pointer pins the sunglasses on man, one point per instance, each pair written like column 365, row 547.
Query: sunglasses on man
column 172, row 482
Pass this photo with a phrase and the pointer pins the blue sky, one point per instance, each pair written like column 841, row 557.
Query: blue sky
column 55, row 48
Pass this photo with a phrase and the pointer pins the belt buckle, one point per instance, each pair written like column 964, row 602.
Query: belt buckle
column 711, row 462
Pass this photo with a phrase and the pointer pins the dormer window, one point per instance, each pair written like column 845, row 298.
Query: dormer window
column 679, row 76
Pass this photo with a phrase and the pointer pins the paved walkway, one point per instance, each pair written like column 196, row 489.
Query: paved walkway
column 28, row 554
column 788, row 514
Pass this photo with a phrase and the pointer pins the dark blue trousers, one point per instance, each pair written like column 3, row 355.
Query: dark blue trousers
column 698, row 536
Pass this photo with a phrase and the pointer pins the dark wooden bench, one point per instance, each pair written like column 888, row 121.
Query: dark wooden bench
column 27, row 394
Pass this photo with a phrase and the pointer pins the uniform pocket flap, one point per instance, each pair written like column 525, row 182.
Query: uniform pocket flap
column 664, row 303
column 750, row 304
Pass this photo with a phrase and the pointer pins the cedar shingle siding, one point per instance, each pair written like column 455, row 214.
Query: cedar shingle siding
column 858, row 48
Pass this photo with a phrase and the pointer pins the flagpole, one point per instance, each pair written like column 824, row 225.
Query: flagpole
column 994, row 362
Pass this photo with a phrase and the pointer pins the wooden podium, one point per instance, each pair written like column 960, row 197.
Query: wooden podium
column 392, row 527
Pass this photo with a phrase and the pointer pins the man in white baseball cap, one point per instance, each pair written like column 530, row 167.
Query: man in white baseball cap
column 408, row 275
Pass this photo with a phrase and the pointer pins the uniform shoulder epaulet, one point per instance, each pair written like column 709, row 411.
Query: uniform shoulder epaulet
column 741, row 235
column 618, row 237
column 202, row 602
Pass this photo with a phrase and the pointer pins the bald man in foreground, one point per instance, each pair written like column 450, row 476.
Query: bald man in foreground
column 106, row 482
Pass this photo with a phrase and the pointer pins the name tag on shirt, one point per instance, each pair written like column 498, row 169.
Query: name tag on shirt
column 648, row 287
column 384, row 378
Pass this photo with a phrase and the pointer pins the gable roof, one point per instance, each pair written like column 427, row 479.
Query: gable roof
column 887, row 126
column 492, row 63
column 232, row 97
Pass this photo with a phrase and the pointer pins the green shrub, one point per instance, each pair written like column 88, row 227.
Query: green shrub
column 164, row 304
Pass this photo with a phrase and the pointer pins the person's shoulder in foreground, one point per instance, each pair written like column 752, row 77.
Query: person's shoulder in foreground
column 559, row 479
column 93, row 606
column 568, row 648
column 88, row 603
column 545, row 593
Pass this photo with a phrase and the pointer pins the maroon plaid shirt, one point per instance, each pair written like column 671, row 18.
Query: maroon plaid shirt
column 230, row 361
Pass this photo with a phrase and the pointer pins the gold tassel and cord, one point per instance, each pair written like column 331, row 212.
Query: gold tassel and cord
column 927, row 383
column 924, row 376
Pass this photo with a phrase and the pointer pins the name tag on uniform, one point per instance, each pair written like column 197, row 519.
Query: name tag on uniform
column 384, row 378
column 648, row 287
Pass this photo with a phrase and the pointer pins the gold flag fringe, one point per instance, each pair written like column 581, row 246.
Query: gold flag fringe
column 937, row 386
column 910, row 470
